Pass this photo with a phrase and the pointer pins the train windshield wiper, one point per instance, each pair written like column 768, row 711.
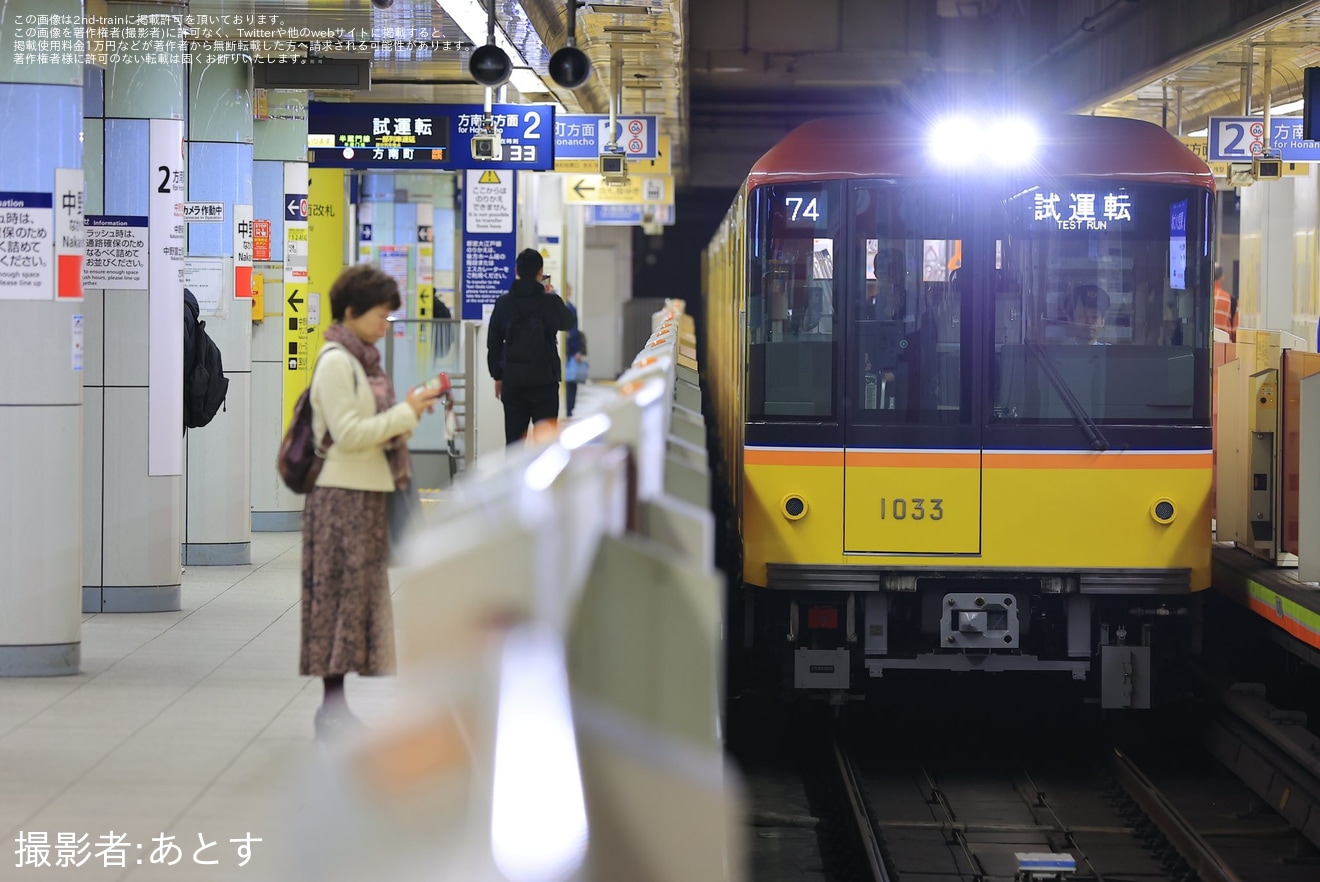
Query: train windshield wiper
column 1084, row 421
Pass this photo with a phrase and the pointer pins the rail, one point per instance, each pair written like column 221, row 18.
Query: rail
column 870, row 843
column 561, row 640
column 1199, row 855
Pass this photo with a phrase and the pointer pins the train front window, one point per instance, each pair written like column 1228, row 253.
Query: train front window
column 1102, row 305
column 909, row 306
column 791, row 304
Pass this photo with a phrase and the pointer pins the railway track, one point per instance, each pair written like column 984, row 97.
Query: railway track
column 990, row 813
column 903, row 790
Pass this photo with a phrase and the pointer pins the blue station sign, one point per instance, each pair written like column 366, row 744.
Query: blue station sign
column 434, row 136
column 1243, row 138
column 585, row 136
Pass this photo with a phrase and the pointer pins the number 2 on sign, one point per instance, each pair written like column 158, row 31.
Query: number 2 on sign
column 915, row 508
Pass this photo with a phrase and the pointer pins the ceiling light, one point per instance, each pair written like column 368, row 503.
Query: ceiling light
column 1282, row 109
column 470, row 16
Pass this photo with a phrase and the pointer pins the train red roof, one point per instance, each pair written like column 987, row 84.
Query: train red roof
column 895, row 146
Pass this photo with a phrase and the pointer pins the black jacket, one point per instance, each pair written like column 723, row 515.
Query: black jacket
column 555, row 317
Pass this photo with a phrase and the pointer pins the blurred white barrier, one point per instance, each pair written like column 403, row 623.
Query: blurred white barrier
column 562, row 636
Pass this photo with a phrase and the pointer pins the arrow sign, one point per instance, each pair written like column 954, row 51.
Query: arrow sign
column 295, row 206
column 294, row 300
column 582, row 191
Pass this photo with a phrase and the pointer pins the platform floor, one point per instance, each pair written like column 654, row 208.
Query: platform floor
column 180, row 724
column 183, row 723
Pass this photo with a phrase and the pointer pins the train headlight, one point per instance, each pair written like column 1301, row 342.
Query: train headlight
column 1164, row 511
column 793, row 506
column 953, row 141
column 1011, row 141
column 963, row 141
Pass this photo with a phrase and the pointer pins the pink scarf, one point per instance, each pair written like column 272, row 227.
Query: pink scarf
column 396, row 449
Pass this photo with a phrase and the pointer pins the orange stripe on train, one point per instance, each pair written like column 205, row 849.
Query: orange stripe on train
column 801, row 457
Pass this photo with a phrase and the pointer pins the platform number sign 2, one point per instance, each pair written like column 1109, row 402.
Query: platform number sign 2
column 1237, row 139
column 805, row 209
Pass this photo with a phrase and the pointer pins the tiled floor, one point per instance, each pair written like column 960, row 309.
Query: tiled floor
column 185, row 723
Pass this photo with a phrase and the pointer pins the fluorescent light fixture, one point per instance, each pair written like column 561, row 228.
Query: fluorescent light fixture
column 1282, row 109
column 471, row 18
column 526, row 81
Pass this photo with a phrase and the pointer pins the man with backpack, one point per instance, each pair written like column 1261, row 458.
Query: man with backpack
column 521, row 350
column 204, row 381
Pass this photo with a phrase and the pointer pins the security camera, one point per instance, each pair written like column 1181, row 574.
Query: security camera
column 382, row 4
column 614, row 168
column 486, row 147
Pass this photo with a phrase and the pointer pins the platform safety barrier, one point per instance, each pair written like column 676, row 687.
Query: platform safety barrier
column 563, row 633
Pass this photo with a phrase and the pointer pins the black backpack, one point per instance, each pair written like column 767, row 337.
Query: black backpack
column 204, row 382
column 527, row 348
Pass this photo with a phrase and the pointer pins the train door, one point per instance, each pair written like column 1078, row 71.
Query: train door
column 912, row 445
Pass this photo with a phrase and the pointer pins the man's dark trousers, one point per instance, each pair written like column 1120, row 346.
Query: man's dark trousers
column 527, row 404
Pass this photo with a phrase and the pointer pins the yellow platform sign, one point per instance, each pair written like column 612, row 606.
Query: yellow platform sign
column 661, row 165
column 1201, row 147
column 638, row 190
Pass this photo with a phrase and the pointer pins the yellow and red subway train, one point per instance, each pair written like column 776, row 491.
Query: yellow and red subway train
column 961, row 372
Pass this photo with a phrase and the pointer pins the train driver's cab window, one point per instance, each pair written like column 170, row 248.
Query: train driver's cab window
column 905, row 351
column 792, row 322
column 1102, row 307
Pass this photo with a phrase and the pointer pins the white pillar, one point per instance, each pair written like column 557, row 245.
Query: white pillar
column 41, row 306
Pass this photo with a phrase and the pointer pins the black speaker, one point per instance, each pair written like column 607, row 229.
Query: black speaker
column 570, row 67
column 1311, row 104
column 490, row 66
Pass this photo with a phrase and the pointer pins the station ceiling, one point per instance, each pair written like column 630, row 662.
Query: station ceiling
column 729, row 77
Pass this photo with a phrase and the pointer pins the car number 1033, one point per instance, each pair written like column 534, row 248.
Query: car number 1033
column 916, row 509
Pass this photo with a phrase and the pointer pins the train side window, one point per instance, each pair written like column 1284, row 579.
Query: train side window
column 792, row 308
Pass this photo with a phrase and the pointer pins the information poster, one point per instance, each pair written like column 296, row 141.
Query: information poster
column 27, row 227
column 261, row 240
column 205, row 278
column 393, row 261
column 488, row 253
column 116, row 247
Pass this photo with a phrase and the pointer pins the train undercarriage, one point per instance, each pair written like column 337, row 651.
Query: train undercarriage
column 1108, row 630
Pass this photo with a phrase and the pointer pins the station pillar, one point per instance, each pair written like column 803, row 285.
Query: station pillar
column 218, row 481
column 279, row 255
column 1277, row 256
column 41, row 401
column 134, row 439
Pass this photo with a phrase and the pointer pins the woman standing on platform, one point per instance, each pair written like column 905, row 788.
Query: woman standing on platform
column 347, row 622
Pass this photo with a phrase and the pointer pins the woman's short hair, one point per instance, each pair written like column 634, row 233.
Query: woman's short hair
column 363, row 287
